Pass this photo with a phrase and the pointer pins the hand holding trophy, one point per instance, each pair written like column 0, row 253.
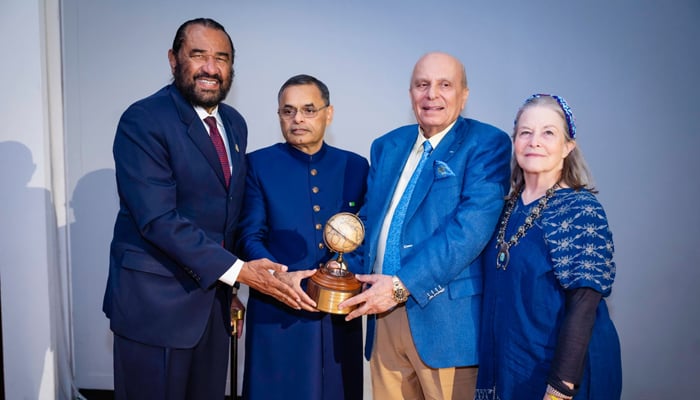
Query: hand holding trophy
column 334, row 283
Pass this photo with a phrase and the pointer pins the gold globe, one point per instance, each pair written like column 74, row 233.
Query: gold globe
column 343, row 232
column 334, row 283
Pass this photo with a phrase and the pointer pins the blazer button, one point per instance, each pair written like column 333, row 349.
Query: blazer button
column 314, row 189
column 321, row 246
column 318, row 227
column 314, row 172
column 317, row 208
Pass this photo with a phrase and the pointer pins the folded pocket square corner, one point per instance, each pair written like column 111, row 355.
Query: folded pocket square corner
column 442, row 170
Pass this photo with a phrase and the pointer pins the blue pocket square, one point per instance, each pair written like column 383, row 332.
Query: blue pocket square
column 442, row 170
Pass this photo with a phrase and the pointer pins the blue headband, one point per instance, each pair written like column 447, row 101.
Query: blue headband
column 570, row 122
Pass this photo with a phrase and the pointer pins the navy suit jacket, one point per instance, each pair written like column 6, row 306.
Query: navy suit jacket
column 175, row 214
column 451, row 216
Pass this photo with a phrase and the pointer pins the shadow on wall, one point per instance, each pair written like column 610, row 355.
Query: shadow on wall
column 94, row 204
column 26, row 250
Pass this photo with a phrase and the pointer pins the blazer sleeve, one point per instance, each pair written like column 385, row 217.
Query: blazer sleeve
column 253, row 227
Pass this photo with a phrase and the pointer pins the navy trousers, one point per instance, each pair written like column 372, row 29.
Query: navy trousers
column 159, row 373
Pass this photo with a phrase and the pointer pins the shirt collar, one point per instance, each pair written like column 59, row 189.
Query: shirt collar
column 202, row 113
column 434, row 140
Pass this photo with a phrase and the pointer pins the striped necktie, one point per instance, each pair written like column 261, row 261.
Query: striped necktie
column 220, row 148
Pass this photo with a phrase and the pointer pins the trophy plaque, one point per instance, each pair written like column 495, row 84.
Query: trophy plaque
column 333, row 283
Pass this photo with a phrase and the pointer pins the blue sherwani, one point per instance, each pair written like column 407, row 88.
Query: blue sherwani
column 290, row 195
column 175, row 214
column 452, row 213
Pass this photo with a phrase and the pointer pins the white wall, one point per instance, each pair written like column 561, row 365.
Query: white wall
column 628, row 68
column 32, row 265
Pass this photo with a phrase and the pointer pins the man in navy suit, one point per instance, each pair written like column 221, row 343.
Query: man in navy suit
column 424, row 295
column 169, row 294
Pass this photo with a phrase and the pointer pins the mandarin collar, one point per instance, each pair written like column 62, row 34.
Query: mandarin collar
column 310, row 158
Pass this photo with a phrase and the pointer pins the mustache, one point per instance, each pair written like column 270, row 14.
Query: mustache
column 209, row 76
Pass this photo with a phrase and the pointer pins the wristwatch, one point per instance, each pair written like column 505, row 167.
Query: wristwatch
column 400, row 294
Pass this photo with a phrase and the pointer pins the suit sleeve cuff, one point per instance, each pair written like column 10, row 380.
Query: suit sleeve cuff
column 231, row 275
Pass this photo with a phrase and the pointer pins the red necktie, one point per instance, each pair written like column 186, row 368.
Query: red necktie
column 220, row 148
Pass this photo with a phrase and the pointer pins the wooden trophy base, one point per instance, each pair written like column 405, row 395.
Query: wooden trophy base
column 329, row 287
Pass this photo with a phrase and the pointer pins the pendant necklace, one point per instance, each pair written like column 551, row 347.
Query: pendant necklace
column 503, row 247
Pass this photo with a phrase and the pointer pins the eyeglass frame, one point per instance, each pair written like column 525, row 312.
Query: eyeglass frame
column 305, row 111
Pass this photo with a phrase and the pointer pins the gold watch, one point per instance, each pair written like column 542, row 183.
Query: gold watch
column 400, row 294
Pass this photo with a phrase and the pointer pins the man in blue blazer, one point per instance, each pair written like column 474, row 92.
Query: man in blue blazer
column 180, row 186
column 424, row 236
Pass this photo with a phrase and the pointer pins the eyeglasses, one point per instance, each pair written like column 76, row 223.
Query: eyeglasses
column 307, row 112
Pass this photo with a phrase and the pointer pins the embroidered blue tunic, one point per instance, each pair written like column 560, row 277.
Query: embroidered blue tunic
column 289, row 197
column 570, row 246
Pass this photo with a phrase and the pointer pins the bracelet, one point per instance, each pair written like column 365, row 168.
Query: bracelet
column 554, row 394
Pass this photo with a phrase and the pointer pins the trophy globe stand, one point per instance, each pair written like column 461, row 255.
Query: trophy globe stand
column 333, row 283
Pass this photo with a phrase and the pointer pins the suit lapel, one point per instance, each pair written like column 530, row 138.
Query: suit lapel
column 397, row 152
column 444, row 152
column 198, row 133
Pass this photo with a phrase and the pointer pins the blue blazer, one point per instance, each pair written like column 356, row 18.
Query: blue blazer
column 452, row 215
column 175, row 214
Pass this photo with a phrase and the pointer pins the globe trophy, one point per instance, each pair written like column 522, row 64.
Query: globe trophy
column 333, row 283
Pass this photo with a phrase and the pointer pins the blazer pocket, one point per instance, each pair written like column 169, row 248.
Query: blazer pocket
column 145, row 263
column 465, row 287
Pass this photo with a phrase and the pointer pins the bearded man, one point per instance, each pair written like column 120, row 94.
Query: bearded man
column 180, row 166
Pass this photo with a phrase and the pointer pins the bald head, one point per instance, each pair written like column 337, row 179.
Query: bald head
column 438, row 91
column 445, row 59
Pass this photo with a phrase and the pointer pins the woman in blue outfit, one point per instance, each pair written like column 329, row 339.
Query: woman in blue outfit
column 546, row 332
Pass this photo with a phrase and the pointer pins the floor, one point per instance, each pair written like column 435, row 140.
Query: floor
column 106, row 394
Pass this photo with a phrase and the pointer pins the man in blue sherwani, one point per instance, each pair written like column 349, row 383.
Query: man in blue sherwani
column 180, row 168
column 435, row 191
column 292, row 189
